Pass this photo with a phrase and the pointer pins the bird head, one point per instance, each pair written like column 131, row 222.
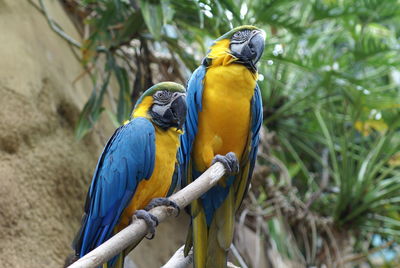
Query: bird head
column 164, row 104
column 244, row 45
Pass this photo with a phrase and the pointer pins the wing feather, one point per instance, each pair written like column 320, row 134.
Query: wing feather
column 193, row 98
column 127, row 159
column 250, row 156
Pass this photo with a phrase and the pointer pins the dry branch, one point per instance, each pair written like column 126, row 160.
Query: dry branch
column 54, row 26
column 178, row 260
column 138, row 229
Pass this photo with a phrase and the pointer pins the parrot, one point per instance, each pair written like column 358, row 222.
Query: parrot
column 135, row 171
column 222, row 125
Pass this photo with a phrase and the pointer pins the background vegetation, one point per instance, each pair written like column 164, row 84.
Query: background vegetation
column 327, row 187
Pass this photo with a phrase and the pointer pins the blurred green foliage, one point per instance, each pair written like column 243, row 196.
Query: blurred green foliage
column 330, row 81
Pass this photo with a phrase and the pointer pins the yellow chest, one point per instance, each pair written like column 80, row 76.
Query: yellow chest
column 224, row 121
column 167, row 143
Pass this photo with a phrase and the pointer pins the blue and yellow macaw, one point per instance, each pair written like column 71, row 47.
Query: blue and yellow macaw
column 223, row 123
column 136, row 166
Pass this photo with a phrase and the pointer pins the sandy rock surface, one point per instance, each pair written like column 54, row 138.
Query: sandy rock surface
column 44, row 170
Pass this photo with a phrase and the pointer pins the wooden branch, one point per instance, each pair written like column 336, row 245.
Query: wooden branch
column 178, row 260
column 138, row 228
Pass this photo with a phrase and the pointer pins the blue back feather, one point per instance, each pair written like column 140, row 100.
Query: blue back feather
column 127, row 159
column 194, row 95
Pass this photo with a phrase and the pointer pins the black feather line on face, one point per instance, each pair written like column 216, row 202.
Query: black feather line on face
column 160, row 108
column 160, row 120
column 244, row 61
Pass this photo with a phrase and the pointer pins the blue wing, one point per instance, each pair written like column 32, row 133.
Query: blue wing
column 193, row 99
column 257, row 119
column 127, row 159
column 256, row 122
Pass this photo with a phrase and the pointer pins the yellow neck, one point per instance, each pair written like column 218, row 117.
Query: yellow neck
column 171, row 132
column 219, row 53
column 142, row 108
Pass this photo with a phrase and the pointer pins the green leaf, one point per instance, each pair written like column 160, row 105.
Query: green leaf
column 152, row 13
column 92, row 110
column 124, row 101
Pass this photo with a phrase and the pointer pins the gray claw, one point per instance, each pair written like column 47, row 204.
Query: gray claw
column 229, row 161
column 150, row 220
column 162, row 201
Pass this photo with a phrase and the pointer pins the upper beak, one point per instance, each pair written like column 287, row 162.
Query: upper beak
column 255, row 46
column 179, row 109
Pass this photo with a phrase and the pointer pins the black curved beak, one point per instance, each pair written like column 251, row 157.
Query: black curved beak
column 250, row 51
column 255, row 47
column 179, row 109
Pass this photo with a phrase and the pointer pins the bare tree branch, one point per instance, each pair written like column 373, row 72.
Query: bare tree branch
column 178, row 260
column 238, row 257
column 138, row 229
column 54, row 26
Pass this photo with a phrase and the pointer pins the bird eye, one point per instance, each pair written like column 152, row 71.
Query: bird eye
column 241, row 35
column 163, row 96
column 237, row 35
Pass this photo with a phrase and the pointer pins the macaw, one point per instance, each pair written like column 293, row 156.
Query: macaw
column 135, row 168
column 222, row 125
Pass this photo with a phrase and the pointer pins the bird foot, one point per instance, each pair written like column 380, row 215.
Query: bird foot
column 162, row 201
column 150, row 220
column 229, row 161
